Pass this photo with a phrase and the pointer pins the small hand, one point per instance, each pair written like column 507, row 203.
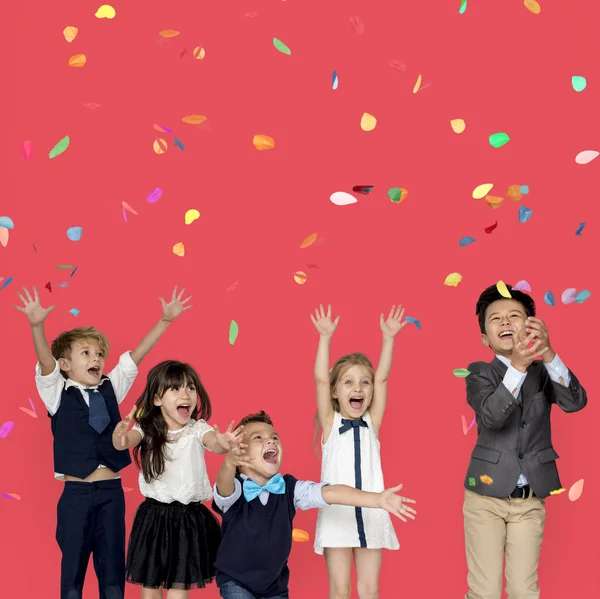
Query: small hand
column 123, row 426
column 394, row 324
column 394, row 504
column 229, row 438
column 522, row 354
column 238, row 456
column 538, row 327
column 176, row 306
column 323, row 322
column 32, row 307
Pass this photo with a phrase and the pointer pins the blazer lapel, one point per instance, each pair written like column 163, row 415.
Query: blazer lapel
column 530, row 385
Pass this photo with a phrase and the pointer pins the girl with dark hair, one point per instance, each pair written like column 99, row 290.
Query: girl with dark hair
column 174, row 538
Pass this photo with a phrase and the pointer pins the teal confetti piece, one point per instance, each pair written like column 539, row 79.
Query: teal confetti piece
column 6, row 222
column 60, row 147
column 6, row 283
column 179, row 144
column 549, row 298
column 463, row 7
column 524, row 214
column 524, row 189
column 579, row 83
column 279, row 45
column 497, row 140
column 461, row 373
column 74, row 311
column 233, row 332
column 334, row 80
column 466, row 241
column 74, row 233
column 416, row 322
column 472, row 481
column 580, row 229
column 582, row 296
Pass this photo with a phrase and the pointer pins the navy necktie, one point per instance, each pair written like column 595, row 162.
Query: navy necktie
column 99, row 418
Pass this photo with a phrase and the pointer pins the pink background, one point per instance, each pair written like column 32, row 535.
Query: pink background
column 498, row 67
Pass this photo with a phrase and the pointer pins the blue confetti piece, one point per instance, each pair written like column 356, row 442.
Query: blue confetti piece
column 6, row 222
column 524, row 214
column 74, row 311
column 179, row 144
column 414, row 321
column 581, row 226
column 63, row 284
column 549, row 298
column 74, row 270
column 582, row 296
column 74, row 233
column 466, row 241
column 6, row 283
column 334, row 80
column 524, row 189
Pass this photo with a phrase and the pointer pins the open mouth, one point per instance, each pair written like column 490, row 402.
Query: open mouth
column 356, row 402
column 270, row 455
column 94, row 371
column 184, row 409
column 506, row 335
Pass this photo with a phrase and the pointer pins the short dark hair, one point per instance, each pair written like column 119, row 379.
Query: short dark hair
column 491, row 295
column 261, row 416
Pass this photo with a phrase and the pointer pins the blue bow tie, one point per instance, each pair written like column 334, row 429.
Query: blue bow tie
column 274, row 485
column 348, row 424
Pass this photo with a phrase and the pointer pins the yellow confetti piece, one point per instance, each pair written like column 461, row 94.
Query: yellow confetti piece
column 199, row 53
column 308, row 241
column 482, row 190
column 179, row 250
column 139, row 413
column 159, row 146
column 191, row 216
column 300, row 277
column 263, row 142
column 557, row 492
column 300, row 536
column 453, row 279
column 194, row 119
column 486, row 480
column 417, row 85
column 503, row 290
column 106, row 11
column 368, row 122
column 70, row 33
column 169, row 33
column 458, row 125
column 78, row 60
column 533, row 6
column 494, row 201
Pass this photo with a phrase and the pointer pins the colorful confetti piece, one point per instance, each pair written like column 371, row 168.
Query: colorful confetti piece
column 73, row 271
column 466, row 241
column 522, row 286
column 6, row 222
column 178, row 144
column 191, row 216
column 482, row 190
column 334, row 80
column 472, row 481
column 357, row 24
column 414, row 321
column 193, row 119
column 568, row 296
column 524, row 189
column 263, row 142
column 4, row 236
column 549, row 298
column 179, row 249
column 417, row 84
column 308, row 241
column 6, row 283
column 169, row 33
column 279, row 45
column 397, row 194
column 300, row 536
column 70, row 33
column 154, row 196
column 576, row 490
column 27, row 150
column 533, row 6
column 341, row 198
column 579, row 83
column 233, row 332
column 368, row 122
column 74, row 311
column 491, row 228
column 162, row 129
column 458, row 125
column 503, row 290
column 580, row 229
column 160, row 146
column 128, row 208
column 524, row 214
column 199, row 53
column 586, row 156
column 6, row 429
column 486, row 480
column 557, row 491
column 497, row 140
column 106, row 11
column 64, row 267
column 467, row 427
column 582, row 296
column 363, row 189
column 461, row 373
column 60, row 147
column 13, row 496
column 463, row 7
column 300, row 277
column 74, row 233
column 514, row 193
column 398, row 65
column 453, row 279
column 48, row 286
column 494, row 202
column 77, row 61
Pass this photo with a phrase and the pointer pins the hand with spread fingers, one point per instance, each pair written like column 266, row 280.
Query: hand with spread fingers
column 323, row 323
column 394, row 323
column 238, row 456
column 395, row 504
column 32, row 307
column 176, row 306
column 230, row 437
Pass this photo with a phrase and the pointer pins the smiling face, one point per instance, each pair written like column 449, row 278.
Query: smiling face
column 504, row 319
column 84, row 363
column 177, row 404
column 354, row 391
column 264, row 450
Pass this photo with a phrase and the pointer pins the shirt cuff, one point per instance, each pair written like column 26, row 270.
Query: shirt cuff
column 48, row 378
column 557, row 371
column 513, row 380
column 224, row 503
column 127, row 364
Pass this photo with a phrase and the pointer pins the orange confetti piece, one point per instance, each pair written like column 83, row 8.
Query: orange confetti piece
column 3, row 236
column 263, row 142
column 465, row 425
column 194, row 119
column 179, row 249
column 533, row 7
column 494, row 202
column 514, row 193
column 77, row 60
column 70, row 33
column 300, row 536
column 129, row 208
column 576, row 490
column 368, row 122
column 486, row 480
column 199, row 53
column 29, row 412
column 308, row 241
column 169, row 33
column 458, row 125
column 300, row 277
column 159, row 146
column 417, row 85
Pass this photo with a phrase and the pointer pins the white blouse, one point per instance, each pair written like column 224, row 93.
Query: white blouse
column 185, row 478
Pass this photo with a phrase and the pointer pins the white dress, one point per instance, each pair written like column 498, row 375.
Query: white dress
column 346, row 526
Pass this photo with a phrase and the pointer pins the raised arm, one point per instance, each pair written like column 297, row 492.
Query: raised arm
column 123, row 438
column 236, row 457
column 219, row 442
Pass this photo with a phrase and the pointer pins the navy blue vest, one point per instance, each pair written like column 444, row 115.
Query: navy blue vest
column 78, row 448
column 256, row 542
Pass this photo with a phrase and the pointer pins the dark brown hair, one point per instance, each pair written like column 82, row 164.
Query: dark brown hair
column 61, row 346
column 491, row 295
column 261, row 416
column 149, row 455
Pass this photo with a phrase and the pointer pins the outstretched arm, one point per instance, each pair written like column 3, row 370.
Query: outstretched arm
column 122, row 437
column 236, row 457
column 219, row 442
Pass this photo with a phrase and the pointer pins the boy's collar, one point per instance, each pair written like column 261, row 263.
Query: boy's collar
column 72, row 383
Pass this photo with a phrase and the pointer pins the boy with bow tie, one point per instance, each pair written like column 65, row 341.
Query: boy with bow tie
column 258, row 506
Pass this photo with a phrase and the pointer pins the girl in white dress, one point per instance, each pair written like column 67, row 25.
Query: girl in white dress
column 351, row 402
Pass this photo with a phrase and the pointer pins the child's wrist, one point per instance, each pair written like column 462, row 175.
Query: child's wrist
column 165, row 319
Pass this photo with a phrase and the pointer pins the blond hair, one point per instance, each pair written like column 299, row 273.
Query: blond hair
column 62, row 345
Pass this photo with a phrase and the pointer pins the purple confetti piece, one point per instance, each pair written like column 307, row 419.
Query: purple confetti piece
column 7, row 496
column 568, row 295
column 31, row 403
column 154, row 196
column 124, row 215
column 522, row 286
column 6, row 429
column 472, row 423
column 166, row 129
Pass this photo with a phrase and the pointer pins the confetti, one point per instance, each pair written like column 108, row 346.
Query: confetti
column 503, row 290
column 580, row 229
column 524, row 189
column 586, row 156
column 159, row 146
column 6, row 429
column 557, row 492
column 491, row 228
column 199, row 53
column 29, row 412
column 73, row 272
column 6, row 222
column 4, row 235
column 466, row 241
column 417, row 84
column 334, row 80
column 576, row 490
column 308, row 241
column 414, row 321
column 397, row 194
column 6, row 283
column 486, row 480
column 463, row 7
column 64, row 267
column 106, row 11
column 300, row 536
column 341, row 198
column 60, row 147
column 582, row 296
column 524, row 214
column 263, row 142
column 77, row 60
column 183, row 53
column 482, row 190
column 472, row 481
column 178, row 144
column 48, row 286
column 154, row 195
column 27, row 149
column 568, row 296
column 458, row 125
column 363, row 189
column 279, row 45
column 233, row 332
column 191, row 216
column 127, row 207
column 11, row 496
column 533, row 7
column 168, row 33
column 70, row 33
column 162, row 129
column 178, row 249
column 465, row 425
column 453, row 279
column 494, row 202
column 91, row 105
column 522, row 286
column 127, row 489
column 497, row 140
column 398, row 65
column 357, row 24
column 514, row 193
column 461, row 373
column 549, row 298
column 579, row 83
column 232, row 286
column 194, row 119
column 74, row 311
column 300, row 277
column 74, row 233
column 368, row 122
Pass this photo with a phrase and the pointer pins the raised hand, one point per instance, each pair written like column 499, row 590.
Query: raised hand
column 229, row 438
column 522, row 354
column 238, row 456
column 394, row 323
column 323, row 323
column 395, row 504
column 176, row 306
column 537, row 327
column 32, row 307
column 123, row 427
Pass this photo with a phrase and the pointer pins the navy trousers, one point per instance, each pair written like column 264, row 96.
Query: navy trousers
column 91, row 520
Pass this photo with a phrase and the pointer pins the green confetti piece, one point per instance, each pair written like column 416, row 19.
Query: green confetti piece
column 281, row 47
column 579, row 83
column 472, row 481
column 497, row 140
column 461, row 373
column 65, row 266
column 233, row 332
column 394, row 193
column 60, row 147
column 463, row 7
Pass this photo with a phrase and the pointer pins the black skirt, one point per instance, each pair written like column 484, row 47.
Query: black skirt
column 172, row 545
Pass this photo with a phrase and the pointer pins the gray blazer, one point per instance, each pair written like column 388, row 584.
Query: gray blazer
column 513, row 434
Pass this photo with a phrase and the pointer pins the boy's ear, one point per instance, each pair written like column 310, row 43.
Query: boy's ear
column 64, row 364
column 484, row 340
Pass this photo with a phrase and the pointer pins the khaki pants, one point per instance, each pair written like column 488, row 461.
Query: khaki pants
column 498, row 527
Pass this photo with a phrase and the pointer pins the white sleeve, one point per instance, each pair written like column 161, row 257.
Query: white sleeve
column 224, row 503
column 138, row 429
column 201, row 427
column 123, row 375
column 50, row 387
